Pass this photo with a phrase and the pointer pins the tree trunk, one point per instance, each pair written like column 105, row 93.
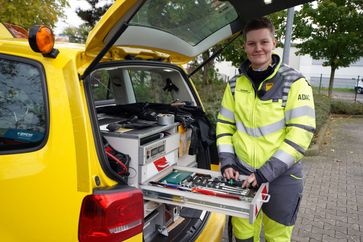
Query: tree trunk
column 331, row 81
column 206, row 67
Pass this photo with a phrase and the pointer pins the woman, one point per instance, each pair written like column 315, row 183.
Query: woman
column 265, row 124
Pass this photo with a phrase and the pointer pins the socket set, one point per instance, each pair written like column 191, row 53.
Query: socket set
column 206, row 184
column 205, row 190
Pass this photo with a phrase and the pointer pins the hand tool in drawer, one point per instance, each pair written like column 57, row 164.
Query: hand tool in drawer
column 206, row 190
column 204, row 184
column 201, row 190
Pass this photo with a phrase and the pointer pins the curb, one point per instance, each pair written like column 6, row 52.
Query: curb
column 315, row 148
column 346, row 116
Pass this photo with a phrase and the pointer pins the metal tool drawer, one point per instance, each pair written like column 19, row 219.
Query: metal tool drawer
column 246, row 206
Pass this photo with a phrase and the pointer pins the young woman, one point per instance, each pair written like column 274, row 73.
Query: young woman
column 265, row 124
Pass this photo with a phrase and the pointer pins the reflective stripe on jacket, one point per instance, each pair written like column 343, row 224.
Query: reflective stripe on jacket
column 269, row 130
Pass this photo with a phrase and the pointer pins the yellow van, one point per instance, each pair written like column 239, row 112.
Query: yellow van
column 83, row 128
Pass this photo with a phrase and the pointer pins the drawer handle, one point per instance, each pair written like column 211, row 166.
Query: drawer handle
column 163, row 165
column 265, row 198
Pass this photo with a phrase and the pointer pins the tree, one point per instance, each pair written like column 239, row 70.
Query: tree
column 332, row 31
column 90, row 16
column 28, row 13
column 77, row 34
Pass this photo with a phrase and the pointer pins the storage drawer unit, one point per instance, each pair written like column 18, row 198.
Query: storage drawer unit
column 246, row 206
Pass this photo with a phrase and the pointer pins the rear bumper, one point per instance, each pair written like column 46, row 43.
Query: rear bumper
column 209, row 228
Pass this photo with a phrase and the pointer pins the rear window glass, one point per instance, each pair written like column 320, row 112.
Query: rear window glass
column 191, row 21
column 148, row 87
column 22, row 105
column 141, row 84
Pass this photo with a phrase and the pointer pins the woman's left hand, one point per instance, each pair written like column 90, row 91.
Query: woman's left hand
column 251, row 180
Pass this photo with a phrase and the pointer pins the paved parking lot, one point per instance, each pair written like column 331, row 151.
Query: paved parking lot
column 332, row 206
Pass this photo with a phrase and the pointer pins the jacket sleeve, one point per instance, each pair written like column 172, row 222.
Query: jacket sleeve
column 300, row 128
column 226, row 127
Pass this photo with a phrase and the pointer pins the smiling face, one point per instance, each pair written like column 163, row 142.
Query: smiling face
column 258, row 45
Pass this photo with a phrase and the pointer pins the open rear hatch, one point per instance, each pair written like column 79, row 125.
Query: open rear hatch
column 171, row 30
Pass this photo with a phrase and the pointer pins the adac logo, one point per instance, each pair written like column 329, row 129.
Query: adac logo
column 303, row 97
column 269, row 86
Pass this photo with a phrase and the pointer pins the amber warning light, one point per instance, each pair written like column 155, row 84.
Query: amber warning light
column 41, row 39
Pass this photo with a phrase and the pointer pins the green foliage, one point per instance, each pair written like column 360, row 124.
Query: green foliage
column 77, row 34
column 148, row 87
column 205, row 76
column 332, row 31
column 101, row 86
column 30, row 12
column 322, row 110
column 211, row 96
column 192, row 21
column 235, row 53
column 349, row 108
column 92, row 15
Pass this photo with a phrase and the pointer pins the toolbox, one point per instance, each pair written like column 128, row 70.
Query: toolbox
column 205, row 190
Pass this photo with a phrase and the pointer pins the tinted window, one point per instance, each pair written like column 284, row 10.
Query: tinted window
column 130, row 84
column 148, row 87
column 22, row 105
column 191, row 21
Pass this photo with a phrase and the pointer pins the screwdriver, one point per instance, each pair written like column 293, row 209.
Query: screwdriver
column 214, row 193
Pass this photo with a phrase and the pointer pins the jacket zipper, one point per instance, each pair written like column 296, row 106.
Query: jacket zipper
column 254, row 158
column 253, row 123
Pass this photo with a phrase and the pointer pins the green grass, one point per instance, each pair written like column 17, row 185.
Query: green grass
column 322, row 110
column 347, row 108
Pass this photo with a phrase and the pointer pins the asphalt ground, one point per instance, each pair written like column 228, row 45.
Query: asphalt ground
column 346, row 96
column 332, row 205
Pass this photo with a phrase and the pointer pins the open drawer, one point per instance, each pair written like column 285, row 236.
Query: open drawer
column 228, row 200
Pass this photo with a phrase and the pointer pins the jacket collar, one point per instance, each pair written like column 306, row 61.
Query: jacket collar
column 276, row 62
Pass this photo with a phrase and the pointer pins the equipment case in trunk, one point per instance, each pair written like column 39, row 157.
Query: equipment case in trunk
column 247, row 206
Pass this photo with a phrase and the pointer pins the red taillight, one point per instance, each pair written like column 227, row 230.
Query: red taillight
column 111, row 216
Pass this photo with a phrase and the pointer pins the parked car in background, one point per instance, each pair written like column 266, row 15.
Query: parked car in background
column 359, row 87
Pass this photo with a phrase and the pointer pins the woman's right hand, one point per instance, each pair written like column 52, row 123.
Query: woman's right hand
column 231, row 173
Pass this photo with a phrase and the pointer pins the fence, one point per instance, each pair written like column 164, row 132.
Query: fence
column 323, row 82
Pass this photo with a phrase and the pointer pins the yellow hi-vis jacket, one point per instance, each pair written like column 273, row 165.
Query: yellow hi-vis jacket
column 269, row 130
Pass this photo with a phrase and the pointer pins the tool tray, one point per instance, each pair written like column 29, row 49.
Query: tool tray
column 205, row 190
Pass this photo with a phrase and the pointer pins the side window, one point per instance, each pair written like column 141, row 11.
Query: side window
column 23, row 122
column 100, row 84
column 148, row 87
